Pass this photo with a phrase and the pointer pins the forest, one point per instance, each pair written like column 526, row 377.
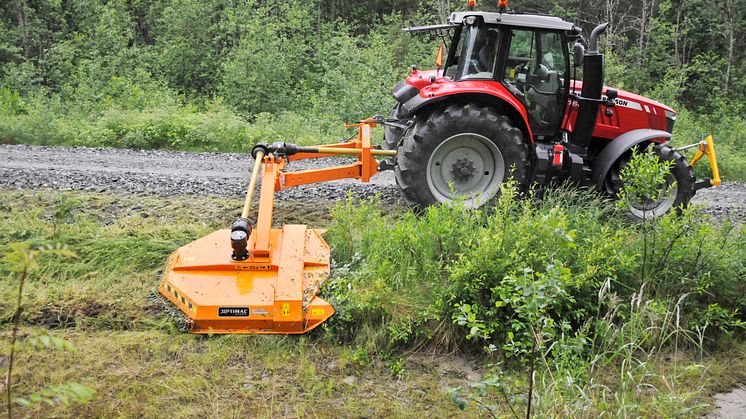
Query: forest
column 219, row 74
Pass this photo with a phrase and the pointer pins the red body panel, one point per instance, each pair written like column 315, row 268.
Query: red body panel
column 631, row 112
column 446, row 87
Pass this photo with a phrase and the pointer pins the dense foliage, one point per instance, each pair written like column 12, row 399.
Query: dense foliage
column 564, row 285
column 209, row 74
column 544, row 264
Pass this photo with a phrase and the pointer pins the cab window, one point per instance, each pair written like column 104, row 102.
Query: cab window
column 477, row 53
column 534, row 72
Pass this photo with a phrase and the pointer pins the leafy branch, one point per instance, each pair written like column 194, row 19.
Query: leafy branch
column 22, row 260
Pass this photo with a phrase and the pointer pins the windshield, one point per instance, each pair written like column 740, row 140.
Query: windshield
column 476, row 53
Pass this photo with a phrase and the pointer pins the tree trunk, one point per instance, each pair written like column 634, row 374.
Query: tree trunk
column 22, row 25
column 677, row 54
column 443, row 10
column 643, row 22
column 731, row 45
column 731, row 22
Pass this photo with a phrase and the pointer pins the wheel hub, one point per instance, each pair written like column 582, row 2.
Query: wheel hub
column 466, row 166
column 463, row 170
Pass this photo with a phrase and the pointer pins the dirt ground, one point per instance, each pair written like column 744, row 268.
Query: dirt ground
column 731, row 405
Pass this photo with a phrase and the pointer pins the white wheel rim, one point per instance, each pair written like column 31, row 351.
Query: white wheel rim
column 468, row 167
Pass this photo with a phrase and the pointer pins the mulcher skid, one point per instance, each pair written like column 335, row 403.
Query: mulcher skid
column 265, row 280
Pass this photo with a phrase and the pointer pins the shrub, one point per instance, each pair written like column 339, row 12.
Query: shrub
column 528, row 270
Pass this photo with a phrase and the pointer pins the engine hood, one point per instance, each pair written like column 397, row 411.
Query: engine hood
column 633, row 100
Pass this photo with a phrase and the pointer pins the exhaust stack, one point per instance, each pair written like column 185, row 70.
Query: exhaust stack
column 593, row 84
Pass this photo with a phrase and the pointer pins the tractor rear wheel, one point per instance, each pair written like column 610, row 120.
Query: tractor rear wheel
column 462, row 151
column 679, row 185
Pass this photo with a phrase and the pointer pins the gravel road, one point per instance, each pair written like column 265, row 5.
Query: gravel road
column 167, row 173
column 163, row 173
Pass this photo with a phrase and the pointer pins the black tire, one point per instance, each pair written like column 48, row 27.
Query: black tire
column 681, row 176
column 463, row 123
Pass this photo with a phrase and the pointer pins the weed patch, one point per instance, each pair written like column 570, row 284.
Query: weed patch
column 552, row 285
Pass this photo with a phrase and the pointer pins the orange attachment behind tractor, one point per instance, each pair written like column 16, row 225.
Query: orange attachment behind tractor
column 265, row 280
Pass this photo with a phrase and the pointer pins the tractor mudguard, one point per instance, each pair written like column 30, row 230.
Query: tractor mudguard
column 476, row 90
column 617, row 147
column 403, row 92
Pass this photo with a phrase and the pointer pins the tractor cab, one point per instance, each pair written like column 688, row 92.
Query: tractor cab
column 527, row 54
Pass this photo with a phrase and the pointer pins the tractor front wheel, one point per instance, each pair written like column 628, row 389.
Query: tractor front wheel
column 460, row 152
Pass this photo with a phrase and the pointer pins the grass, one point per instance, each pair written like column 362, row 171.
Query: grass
column 129, row 352
column 176, row 127
column 146, row 373
column 128, row 349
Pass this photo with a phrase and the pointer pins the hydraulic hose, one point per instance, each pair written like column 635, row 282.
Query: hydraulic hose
column 241, row 228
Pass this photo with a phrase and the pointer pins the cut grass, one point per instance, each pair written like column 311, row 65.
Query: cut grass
column 129, row 351
column 147, row 373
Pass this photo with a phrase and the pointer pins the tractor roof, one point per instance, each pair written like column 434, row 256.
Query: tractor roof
column 515, row 19
column 508, row 19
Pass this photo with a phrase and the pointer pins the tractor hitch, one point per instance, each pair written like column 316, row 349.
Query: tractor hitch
column 706, row 147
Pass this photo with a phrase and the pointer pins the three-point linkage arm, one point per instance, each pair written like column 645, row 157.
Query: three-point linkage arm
column 273, row 157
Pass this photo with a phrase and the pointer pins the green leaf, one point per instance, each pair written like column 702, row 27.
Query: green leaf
column 23, row 402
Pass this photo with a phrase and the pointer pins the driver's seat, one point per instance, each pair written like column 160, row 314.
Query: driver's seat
column 543, row 96
column 487, row 52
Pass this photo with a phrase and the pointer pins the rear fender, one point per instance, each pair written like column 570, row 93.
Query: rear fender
column 616, row 149
column 495, row 97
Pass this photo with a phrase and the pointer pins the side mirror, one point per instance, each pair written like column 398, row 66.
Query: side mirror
column 578, row 54
column 439, row 57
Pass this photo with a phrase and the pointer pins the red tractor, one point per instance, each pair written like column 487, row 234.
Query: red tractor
column 504, row 105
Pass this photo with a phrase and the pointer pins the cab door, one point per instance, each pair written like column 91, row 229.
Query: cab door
column 535, row 71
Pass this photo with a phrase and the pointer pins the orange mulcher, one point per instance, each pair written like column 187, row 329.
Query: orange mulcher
column 265, row 280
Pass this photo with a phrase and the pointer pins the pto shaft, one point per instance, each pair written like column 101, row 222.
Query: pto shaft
column 241, row 228
column 288, row 149
column 252, row 184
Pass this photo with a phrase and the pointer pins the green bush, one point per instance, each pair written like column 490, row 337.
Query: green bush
column 728, row 129
column 140, row 124
column 524, row 271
